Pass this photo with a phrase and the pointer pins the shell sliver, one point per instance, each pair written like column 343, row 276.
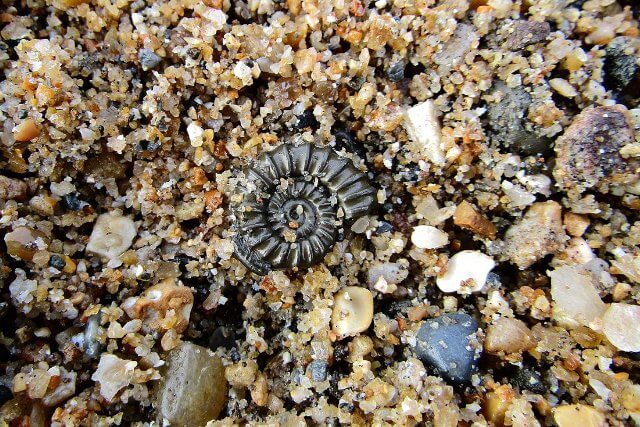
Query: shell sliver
column 291, row 219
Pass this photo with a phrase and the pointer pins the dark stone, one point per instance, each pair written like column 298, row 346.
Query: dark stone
column 346, row 140
column 620, row 68
column 396, row 72
column 528, row 379
column 148, row 59
column 57, row 262
column 318, row 370
column 517, row 35
column 71, row 202
column 444, row 343
column 507, row 119
column 384, row 227
column 356, row 82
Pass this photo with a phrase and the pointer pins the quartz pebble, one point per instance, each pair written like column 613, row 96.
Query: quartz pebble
column 446, row 344
column 24, row 242
column 575, row 297
column 352, row 311
column 465, row 272
column 26, row 131
column 537, row 234
column 424, row 130
column 428, row 237
column 112, row 235
column 620, row 326
column 578, row 415
column 113, row 374
column 12, row 189
column 508, row 335
column 193, row 389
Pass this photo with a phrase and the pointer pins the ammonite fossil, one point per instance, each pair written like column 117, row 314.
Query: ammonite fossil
column 294, row 201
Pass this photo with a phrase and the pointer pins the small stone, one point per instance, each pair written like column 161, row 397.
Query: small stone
column 195, row 133
column 447, row 344
column 620, row 326
column 620, row 64
column 396, row 71
column 352, row 311
column 90, row 343
column 193, row 389
column 465, row 272
column 423, row 128
column 496, row 404
column 528, row 379
column 113, row 374
column 588, row 153
column 576, row 224
column 575, row 296
column 454, row 50
column 630, row 398
column 507, row 120
column 24, row 242
column 318, row 370
column 467, row 217
column 578, row 415
column 507, row 335
column 148, row 59
column 112, row 235
column 518, row 34
column 12, row 189
column 57, row 262
column 428, row 237
column 26, row 131
column 563, row 87
column 538, row 234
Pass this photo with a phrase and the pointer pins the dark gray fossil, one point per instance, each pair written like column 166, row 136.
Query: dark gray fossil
column 294, row 200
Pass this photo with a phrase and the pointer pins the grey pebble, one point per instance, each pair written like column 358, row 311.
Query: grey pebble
column 148, row 59
column 318, row 370
column 445, row 344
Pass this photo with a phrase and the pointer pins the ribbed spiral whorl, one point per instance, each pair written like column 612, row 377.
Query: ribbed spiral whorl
column 289, row 215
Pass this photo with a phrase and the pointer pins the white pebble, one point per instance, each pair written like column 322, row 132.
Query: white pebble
column 428, row 237
column 195, row 133
column 422, row 125
column 352, row 311
column 112, row 235
column 620, row 326
column 575, row 297
column 466, row 272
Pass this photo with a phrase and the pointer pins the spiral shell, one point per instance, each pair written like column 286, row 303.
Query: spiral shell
column 293, row 204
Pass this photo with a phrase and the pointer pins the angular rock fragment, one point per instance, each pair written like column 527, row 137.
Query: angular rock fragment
column 588, row 153
column 519, row 34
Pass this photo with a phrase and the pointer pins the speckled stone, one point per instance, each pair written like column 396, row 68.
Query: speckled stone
column 444, row 343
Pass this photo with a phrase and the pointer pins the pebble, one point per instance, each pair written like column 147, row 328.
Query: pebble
column 428, row 237
column 26, row 131
column 466, row 216
column 620, row 326
column 528, row 379
column 396, row 71
column 112, row 235
column 507, row 118
column 352, row 311
column 575, row 296
column 12, row 189
column 508, row 335
column 193, row 390
column 578, row 415
column 148, row 59
column 318, row 370
column 518, row 34
column 423, row 128
column 466, row 272
column 620, row 67
column 588, row 152
column 539, row 233
column 445, row 343
column 113, row 374
column 24, row 242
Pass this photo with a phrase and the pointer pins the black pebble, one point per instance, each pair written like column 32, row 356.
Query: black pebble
column 444, row 344
column 71, row 202
column 620, row 69
column 307, row 119
column 528, row 379
column 57, row 262
column 396, row 72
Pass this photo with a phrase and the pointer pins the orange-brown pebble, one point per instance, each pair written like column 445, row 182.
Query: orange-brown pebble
column 26, row 131
column 576, row 224
column 467, row 217
column 213, row 199
column 496, row 404
column 24, row 242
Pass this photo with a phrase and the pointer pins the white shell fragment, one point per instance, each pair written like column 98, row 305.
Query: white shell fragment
column 352, row 311
column 575, row 297
column 113, row 374
column 428, row 237
column 620, row 326
column 422, row 125
column 466, row 272
column 112, row 235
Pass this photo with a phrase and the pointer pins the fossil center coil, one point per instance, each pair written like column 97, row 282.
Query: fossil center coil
column 293, row 203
